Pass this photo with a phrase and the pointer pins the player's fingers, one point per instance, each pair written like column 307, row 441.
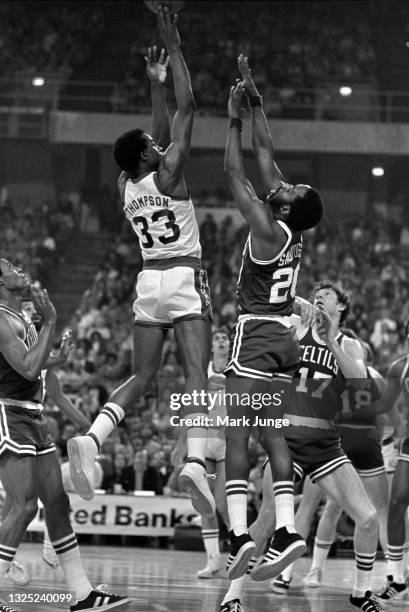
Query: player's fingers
column 155, row 53
column 166, row 63
column 175, row 19
column 162, row 56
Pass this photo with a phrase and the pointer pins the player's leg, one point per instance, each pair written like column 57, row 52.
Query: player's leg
column 324, row 538
column 310, row 500
column 17, row 572
column 378, row 492
column 260, row 531
column 57, row 507
column 346, row 489
column 237, row 471
column 82, row 450
column 193, row 339
column 398, row 504
column 286, row 545
column 210, row 533
column 220, row 491
column 17, row 474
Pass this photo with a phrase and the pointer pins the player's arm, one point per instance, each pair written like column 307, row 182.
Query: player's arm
column 29, row 362
column 250, row 206
column 171, row 171
column 156, row 70
column 61, row 356
column 271, row 175
column 62, row 402
column 350, row 357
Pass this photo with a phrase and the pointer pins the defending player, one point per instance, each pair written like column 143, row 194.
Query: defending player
column 29, row 468
column 172, row 288
column 327, row 359
column 265, row 349
column 360, row 442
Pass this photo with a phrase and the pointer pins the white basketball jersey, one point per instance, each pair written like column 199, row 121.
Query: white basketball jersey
column 215, row 380
column 166, row 227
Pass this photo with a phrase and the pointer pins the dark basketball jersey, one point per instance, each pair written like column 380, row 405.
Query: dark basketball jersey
column 353, row 400
column 12, row 384
column 317, row 389
column 268, row 287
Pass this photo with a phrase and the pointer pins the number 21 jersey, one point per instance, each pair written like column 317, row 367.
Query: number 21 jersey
column 166, row 226
column 268, row 287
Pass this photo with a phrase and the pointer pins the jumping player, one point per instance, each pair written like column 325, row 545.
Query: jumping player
column 172, row 288
column 327, row 359
column 265, row 349
column 29, row 468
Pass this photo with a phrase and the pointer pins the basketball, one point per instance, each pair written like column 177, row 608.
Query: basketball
column 174, row 6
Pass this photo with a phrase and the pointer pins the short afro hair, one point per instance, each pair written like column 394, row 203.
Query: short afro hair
column 343, row 297
column 127, row 149
column 306, row 211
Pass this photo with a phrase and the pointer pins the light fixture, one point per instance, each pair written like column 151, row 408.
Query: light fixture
column 38, row 81
column 377, row 171
column 345, row 90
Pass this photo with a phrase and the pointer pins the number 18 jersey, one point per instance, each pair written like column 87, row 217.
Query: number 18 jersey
column 166, row 226
column 268, row 287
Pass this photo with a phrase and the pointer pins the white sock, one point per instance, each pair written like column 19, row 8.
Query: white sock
column 71, row 564
column 47, row 546
column 363, row 576
column 196, row 440
column 109, row 417
column 405, row 559
column 284, row 502
column 211, row 542
column 320, row 553
column 7, row 554
column 236, row 492
column 235, row 590
column 395, row 555
column 287, row 572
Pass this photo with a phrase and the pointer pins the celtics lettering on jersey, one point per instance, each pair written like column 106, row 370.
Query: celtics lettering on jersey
column 166, row 226
column 268, row 287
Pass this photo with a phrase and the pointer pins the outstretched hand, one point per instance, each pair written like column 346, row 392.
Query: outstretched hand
column 326, row 327
column 168, row 27
column 156, row 66
column 43, row 304
column 245, row 71
column 234, row 106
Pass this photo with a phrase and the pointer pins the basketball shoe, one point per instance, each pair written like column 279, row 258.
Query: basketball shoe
column 232, row 606
column 5, row 608
column 193, row 479
column 313, row 579
column 284, row 548
column 82, row 452
column 279, row 585
column 99, row 600
column 214, row 565
column 367, row 603
column 394, row 590
column 242, row 548
column 18, row 574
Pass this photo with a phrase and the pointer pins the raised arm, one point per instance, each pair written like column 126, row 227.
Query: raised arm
column 156, row 71
column 252, row 209
column 171, row 172
column 29, row 362
column 271, row 175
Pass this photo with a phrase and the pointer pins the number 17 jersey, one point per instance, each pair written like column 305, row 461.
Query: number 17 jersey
column 268, row 287
column 166, row 226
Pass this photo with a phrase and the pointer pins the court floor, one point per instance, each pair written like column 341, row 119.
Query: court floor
column 165, row 581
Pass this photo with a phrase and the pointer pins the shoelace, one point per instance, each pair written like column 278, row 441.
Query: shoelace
column 212, row 477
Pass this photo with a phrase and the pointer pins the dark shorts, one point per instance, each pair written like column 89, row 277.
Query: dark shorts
column 317, row 458
column 24, row 431
column 364, row 450
column 264, row 348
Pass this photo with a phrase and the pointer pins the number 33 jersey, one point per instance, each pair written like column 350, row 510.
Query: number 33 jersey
column 166, row 226
column 268, row 287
